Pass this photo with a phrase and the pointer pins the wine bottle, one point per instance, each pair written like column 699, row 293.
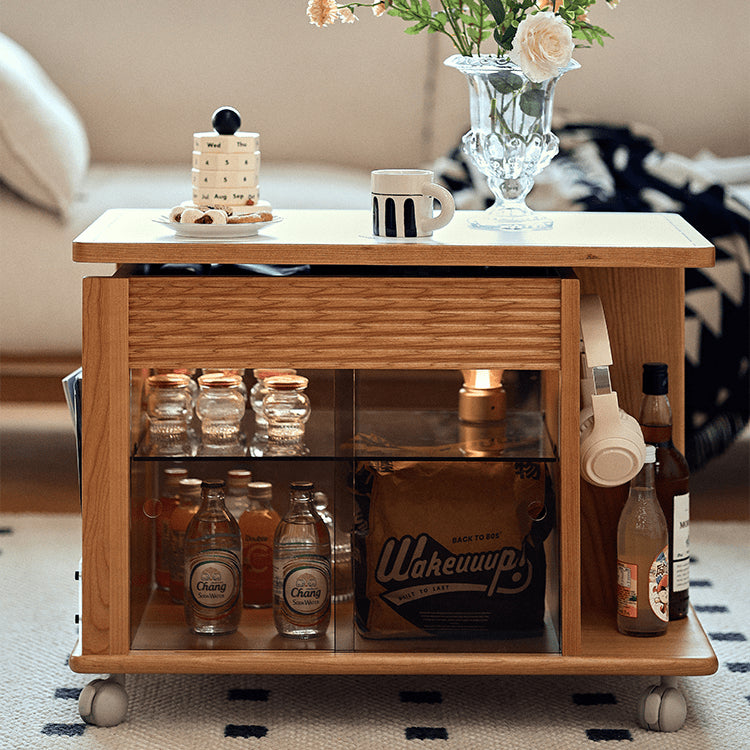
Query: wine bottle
column 672, row 480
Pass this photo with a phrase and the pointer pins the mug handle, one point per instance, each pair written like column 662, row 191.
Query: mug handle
column 447, row 206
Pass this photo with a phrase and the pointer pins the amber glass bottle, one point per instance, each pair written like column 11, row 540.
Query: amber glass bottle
column 258, row 527
column 672, row 479
column 189, row 498
column 168, row 498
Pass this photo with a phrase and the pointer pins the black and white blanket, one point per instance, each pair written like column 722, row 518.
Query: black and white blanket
column 609, row 168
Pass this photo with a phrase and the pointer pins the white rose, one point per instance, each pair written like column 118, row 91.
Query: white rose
column 543, row 44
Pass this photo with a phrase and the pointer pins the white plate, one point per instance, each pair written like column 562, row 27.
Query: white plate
column 216, row 231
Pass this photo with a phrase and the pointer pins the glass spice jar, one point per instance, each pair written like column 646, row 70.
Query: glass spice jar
column 259, row 390
column 168, row 407
column 286, row 408
column 229, row 371
column 220, row 407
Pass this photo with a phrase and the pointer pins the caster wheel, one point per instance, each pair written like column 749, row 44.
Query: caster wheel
column 103, row 703
column 662, row 708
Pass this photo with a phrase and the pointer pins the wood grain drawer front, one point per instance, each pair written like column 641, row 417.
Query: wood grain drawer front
column 341, row 322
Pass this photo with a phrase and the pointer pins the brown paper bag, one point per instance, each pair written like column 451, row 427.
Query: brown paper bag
column 450, row 548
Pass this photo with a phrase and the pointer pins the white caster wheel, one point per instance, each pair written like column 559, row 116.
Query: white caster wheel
column 662, row 708
column 103, row 703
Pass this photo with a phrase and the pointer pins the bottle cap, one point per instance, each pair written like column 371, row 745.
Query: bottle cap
column 655, row 379
column 213, row 484
column 169, row 380
column 650, row 454
column 301, row 486
column 238, row 477
column 260, row 490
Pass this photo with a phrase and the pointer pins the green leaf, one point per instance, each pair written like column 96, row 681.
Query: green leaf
column 415, row 29
column 532, row 102
column 506, row 82
column 497, row 9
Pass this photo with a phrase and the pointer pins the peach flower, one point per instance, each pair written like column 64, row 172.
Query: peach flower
column 322, row 12
column 378, row 10
column 347, row 15
column 553, row 5
column 543, row 45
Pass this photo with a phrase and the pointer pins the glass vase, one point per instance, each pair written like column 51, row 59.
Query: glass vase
column 510, row 140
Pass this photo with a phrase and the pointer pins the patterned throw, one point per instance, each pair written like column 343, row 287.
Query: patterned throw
column 607, row 168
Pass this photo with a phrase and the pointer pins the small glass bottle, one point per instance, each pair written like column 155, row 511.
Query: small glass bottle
column 643, row 558
column 258, row 527
column 341, row 552
column 286, row 408
column 169, row 409
column 237, row 497
column 220, row 407
column 672, row 481
column 188, row 501
column 258, row 392
column 168, row 499
column 301, row 568
column 213, row 566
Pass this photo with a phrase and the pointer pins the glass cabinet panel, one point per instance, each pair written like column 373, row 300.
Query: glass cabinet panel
column 441, row 489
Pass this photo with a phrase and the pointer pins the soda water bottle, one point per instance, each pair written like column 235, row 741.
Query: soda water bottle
column 643, row 558
column 301, row 568
column 213, row 565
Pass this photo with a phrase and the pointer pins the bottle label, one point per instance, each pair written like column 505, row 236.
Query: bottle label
column 658, row 585
column 213, row 579
column 304, row 585
column 627, row 589
column 681, row 542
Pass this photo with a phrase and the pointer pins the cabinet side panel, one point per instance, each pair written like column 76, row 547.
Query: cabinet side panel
column 645, row 315
column 105, row 457
column 570, row 539
column 342, row 323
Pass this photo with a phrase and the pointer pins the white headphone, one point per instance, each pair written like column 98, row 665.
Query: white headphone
column 612, row 445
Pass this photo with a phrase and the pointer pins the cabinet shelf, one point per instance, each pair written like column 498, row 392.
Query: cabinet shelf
column 394, row 435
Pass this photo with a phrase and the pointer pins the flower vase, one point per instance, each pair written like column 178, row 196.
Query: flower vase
column 510, row 140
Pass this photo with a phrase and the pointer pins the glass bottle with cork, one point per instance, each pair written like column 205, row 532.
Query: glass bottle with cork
column 213, row 566
column 258, row 527
column 643, row 558
column 672, row 477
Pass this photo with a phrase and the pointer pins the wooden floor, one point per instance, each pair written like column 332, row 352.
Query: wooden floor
column 38, row 467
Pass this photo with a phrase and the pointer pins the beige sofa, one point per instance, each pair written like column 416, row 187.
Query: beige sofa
column 137, row 78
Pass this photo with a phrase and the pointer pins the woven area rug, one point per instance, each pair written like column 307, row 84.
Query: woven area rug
column 38, row 556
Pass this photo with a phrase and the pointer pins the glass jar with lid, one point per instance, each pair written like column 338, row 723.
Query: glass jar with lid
column 169, row 407
column 229, row 371
column 259, row 390
column 286, row 408
column 220, row 408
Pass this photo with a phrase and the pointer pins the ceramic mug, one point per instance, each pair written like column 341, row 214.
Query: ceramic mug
column 402, row 203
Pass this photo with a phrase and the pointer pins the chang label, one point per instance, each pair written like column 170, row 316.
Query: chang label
column 304, row 587
column 213, row 580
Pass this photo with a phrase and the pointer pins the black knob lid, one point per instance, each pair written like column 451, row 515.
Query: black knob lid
column 226, row 120
column 655, row 379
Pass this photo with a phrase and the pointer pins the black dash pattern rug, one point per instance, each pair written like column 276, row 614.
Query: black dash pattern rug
column 38, row 557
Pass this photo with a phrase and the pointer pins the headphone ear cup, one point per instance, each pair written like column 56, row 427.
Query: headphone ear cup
column 612, row 453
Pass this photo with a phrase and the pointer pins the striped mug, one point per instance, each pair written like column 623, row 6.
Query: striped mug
column 402, row 203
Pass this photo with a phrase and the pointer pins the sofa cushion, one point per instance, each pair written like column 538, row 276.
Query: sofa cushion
column 40, row 304
column 44, row 151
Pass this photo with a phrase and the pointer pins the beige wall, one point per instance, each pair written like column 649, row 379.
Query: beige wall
column 145, row 74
